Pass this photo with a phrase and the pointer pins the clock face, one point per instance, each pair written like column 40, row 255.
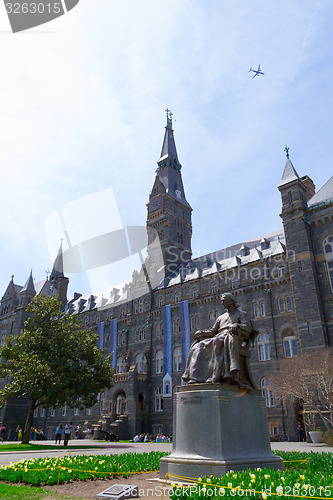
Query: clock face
column 156, row 203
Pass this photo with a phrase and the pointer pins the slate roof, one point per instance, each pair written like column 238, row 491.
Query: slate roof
column 324, row 195
column 289, row 173
column 259, row 249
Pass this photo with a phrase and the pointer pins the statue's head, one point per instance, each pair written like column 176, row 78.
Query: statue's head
column 227, row 298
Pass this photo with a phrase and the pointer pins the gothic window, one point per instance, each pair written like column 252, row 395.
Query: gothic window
column 36, row 412
column 159, row 361
column 123, row 312
column 214, row 287
column 177, row 359
column 140, row 306
column 195, row 293
column 76, row 411
column 289, row 343
column 141, row 363
column 177, row 298
column 158, row 399
column 328, row 249
column 266, row 392
column 89, row 411
column 64, row 411
column 255, row 310
column 281, row 305
column 160, row 302
column 52, row 412
column 289, row 304
column 135, row 335
column 120, row 365
column 197, row 322
column 135, row 307
column 119, row 339
column 262, row 308
column 281, row 269
column 263, row 347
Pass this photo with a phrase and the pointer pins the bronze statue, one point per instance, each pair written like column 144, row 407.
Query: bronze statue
column 221, row 354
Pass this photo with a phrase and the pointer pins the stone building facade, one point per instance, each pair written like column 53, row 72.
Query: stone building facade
column 285, row 279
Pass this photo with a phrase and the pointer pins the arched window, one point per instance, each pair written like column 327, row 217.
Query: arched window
column 141, row 363
column 158, row 399
column 266, row 392
column 263, row 347
column 281, row 305
column 289, row 343
column 121, row 404
column 256, row 310
column 328, row 250
column 140, row 305
column 281, row 269
column 177, row 359
column 289, row 305
column 159, row 361
column 214, row 287
column 119, row 339
column 177, row 298
column 120, row 365
column 195, row 293
column 262, row 308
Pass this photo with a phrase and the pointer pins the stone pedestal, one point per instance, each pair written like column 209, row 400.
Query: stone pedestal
column 217, row 428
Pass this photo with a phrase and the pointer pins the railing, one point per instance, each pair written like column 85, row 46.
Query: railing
column 121, row 377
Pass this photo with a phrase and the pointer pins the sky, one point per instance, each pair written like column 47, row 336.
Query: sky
column 83, row 102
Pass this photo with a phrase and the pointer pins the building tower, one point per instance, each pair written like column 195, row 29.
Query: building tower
column 57, row 278
column 295, row 192
column 169, row 213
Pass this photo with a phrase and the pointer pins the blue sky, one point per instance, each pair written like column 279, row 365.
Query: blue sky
column 82, row 111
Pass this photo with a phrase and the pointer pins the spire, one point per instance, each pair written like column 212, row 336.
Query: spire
column 289, row 173
column 58, row 266
column 29, row 285
column 169, row 157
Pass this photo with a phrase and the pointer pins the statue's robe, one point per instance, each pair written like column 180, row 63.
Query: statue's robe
column 215, row 358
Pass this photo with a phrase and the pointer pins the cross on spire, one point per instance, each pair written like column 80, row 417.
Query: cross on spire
column 169, row 114
column 286, row 149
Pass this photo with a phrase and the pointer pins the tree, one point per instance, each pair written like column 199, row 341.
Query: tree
column 54, row 361
column 308, row 378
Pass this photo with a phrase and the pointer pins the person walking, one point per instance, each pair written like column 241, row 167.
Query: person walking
column 58, row 433
column 68, row 430
column 2, row 432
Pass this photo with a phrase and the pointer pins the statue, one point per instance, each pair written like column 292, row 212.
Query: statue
column 221, row 354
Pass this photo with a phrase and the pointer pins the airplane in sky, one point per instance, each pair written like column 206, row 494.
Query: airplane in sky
column 256, row 71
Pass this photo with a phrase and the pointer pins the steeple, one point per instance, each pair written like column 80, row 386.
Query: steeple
column 29, row 285
column 169, row 213
column 28, row 291
column 57, row 277
column 169, row 157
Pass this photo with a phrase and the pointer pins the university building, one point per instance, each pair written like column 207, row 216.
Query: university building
column 284, row 279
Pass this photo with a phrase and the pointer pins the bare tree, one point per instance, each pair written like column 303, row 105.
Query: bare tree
column 308, row 378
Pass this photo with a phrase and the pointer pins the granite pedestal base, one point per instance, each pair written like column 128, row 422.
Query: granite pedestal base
column 218, row 428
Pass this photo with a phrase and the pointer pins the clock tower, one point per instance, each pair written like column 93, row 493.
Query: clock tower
column 169, row 213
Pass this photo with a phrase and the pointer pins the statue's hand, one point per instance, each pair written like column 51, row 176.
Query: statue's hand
column 198, row 335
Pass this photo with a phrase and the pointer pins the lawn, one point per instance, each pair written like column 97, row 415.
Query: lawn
column 37, row 447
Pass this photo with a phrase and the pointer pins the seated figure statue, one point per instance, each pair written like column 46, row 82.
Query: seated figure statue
column 215, row 353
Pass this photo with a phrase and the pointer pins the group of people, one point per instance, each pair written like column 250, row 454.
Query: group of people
column 149, row 438
column 67, row 431
column 35, row 434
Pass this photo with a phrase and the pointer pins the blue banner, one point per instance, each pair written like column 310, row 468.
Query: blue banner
column 100, row 333
column 113, row 341
column 184, row 332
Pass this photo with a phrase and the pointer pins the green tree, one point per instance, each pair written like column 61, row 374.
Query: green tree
column 54, row 361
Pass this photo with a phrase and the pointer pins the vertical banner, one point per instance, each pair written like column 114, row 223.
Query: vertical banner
column 113, row 341
column 184, row 332
column 167, row 352
column 100, row 333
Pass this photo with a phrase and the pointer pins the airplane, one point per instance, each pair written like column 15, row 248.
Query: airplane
column 256, row 71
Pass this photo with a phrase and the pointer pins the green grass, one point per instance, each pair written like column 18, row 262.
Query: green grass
column 37, row 447
column 13, row 492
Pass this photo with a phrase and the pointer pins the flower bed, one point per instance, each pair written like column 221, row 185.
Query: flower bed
column 47, row 471
column 307, row 475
